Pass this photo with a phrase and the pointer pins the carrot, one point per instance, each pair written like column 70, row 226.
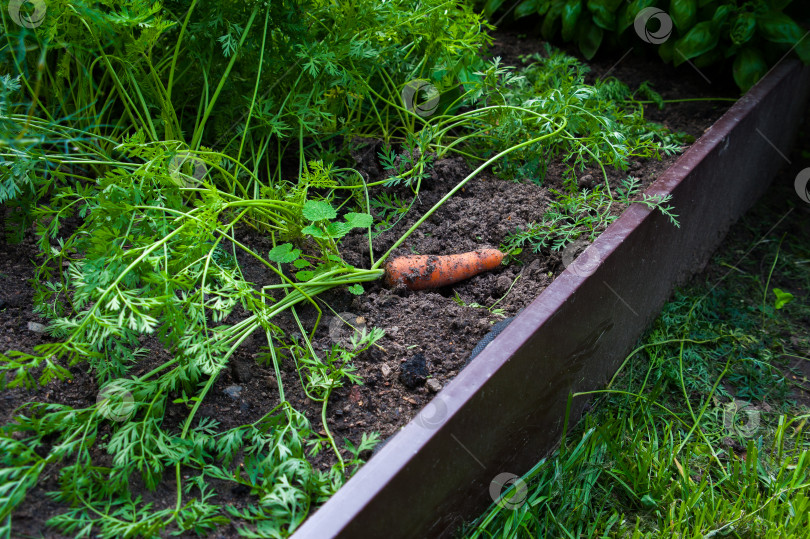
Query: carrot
column 418, row 272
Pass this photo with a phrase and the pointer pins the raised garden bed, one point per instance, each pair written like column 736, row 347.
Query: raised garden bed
column 441, row 327
column 507, row 407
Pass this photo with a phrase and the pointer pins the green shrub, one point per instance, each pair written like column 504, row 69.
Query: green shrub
column 755, row 34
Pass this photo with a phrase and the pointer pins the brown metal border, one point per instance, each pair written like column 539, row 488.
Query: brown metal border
column 504, row 411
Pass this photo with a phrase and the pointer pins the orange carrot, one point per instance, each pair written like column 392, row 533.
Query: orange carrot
column 418, row 272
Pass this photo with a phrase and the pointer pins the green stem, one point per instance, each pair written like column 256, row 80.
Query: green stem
column 176, row 54
column 256, row 86
column 461, row 184
column 198, row 132
column 327, row 431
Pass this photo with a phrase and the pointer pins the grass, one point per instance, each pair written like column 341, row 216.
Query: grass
column 698, row 434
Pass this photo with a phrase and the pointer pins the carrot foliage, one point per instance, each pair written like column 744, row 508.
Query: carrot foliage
column 143, row 141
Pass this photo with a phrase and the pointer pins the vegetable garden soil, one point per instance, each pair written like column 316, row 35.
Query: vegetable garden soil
column 425, row 329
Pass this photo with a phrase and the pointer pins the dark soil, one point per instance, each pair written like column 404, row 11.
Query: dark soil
column 429, row 335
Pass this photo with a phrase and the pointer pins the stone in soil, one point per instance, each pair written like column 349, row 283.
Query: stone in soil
column 36, row 327
column 434, row 385
column 585, row 182
column 233, row 392
column 413, row 372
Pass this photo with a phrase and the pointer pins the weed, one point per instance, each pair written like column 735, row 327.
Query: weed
column 390, row 209
column 497, row 312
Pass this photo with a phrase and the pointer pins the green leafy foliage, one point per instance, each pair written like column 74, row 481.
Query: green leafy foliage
column 569, row 217
column 283, row 253
column 356, row 289
column 581, row 215
column 408, row 167
column 749, row 66
column 318, row 210
column 782, row 298
column 144, row 139
column 700, row 39
column 321, row 213
column 315, row 68
column 683, row 13
column 388, row 207
column 704, row 32
column 603, row 126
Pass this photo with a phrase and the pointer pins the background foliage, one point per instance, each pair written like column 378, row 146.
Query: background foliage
column 751, row 35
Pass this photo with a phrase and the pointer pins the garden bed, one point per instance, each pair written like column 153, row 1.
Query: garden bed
column 509, row 407
column 441, row 327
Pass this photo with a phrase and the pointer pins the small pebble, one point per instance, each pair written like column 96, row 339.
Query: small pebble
column 434, row 385
column 585, row 182
column 36, row 327
column 386, row 370
column 233, row 392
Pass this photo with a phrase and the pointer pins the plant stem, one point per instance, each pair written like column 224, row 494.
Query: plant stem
column 461, row 184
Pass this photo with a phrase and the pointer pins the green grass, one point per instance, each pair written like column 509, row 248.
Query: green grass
column 665, row 452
